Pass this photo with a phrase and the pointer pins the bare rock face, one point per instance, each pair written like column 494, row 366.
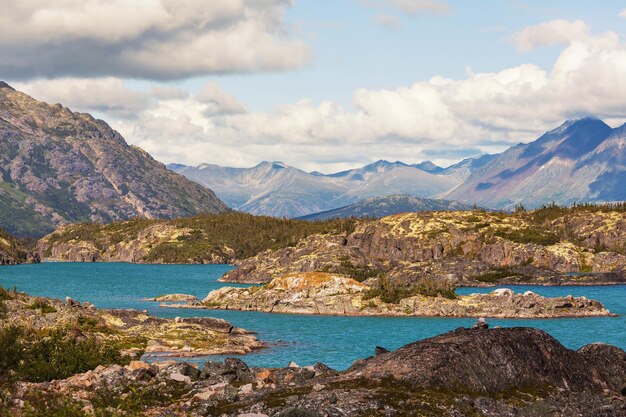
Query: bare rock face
column 57, row 167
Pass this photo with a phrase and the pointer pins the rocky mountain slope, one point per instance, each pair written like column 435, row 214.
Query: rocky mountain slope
column 276, row 189
column 467, row 372
column 580, row 161
column 57, row 166
column 547, row 246
column 386, row 206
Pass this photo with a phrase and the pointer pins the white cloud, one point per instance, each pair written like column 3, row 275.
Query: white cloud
column 623, row 13
column 105, row 95
column 554, row 32
column 441, row 116
column 388, row 21
column 218, row 101
column 155, row 39
column 414, row 7
column 407, row 7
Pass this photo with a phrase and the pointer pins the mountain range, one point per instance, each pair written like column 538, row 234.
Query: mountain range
column 277, row 189
column 582, row 161
column 388, row 205
column 57, row 166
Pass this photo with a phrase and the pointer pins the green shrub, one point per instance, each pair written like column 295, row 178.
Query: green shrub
column 394, row 293
column 42, row 304
column 434, row 288
column 6, row 295
column 39, row 404
column 27, row 355
column 132, row 400
column 554, row 211
column 495, row 275
column 347, row 268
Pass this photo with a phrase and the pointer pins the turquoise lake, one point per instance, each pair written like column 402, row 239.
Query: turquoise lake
column 335, row 341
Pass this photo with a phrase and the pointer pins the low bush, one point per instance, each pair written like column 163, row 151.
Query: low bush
column 5, row 294
column 394, row 293
column 42, row 304
column 28, row 355
column 347, row 268
column 495, row 275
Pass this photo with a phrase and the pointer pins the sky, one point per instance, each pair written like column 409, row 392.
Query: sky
column 321, row 85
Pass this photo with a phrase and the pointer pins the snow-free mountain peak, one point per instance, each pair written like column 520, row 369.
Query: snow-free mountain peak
column 560, row 166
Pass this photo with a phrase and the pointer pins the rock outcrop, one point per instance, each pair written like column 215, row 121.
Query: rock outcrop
column 550, row 246
column 492, row 373
column 57, row 167
column 135, row 330
column 329, row 294
column 173, row 298
column 12, row 252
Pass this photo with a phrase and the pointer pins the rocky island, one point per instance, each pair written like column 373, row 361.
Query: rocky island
column 548, row 246
column 487, row 372
column 330, row 294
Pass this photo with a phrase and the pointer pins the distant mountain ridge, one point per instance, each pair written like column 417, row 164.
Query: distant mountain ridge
column 580, row 161
column 274, row 188
column 385, row 206
column 57, row 167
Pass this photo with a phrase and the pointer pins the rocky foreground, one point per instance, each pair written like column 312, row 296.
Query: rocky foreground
column 134, row 332
column 478, row 372
column 330, row 294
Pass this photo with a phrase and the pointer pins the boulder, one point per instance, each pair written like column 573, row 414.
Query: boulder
column 379, row 350
column 231, row 370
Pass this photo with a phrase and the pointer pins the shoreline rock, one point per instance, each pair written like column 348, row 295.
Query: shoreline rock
column 173, row 298
column 329, row 294
column 134, row 330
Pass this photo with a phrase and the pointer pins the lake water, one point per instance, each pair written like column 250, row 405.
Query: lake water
column 335, row 341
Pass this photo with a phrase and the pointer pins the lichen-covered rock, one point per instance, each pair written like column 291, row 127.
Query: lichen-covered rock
column 322, row 293
column 135, row 331
column 173, row 298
